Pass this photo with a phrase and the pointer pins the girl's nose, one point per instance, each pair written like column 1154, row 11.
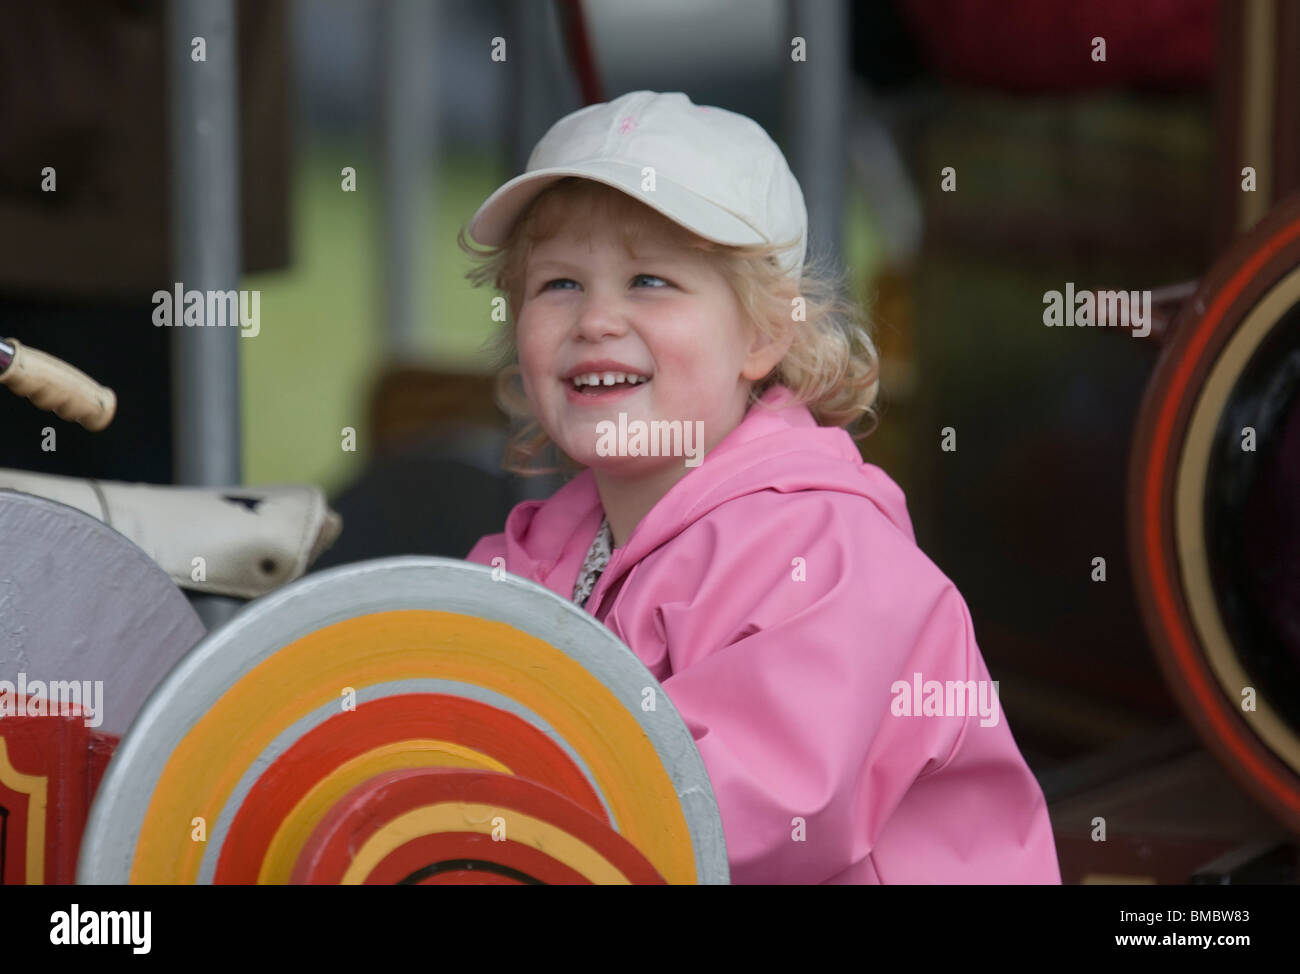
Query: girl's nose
column 600, row 318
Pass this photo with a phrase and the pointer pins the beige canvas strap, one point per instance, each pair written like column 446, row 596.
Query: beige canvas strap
column 240, row 541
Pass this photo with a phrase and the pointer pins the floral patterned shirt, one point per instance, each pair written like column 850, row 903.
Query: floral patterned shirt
column 595, row 562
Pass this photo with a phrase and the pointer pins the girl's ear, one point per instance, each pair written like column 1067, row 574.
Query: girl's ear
column 766, row 352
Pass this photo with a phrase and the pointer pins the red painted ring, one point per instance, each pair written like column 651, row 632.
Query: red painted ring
column 329, row 852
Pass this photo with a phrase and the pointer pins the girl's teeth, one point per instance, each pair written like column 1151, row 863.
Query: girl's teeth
column 607, row 378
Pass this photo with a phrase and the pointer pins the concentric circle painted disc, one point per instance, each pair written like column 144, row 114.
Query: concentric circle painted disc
column 398, row 667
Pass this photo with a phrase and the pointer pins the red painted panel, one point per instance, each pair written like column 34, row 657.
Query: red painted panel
column 56, row 748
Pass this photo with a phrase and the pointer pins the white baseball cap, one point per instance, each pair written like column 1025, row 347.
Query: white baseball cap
column 716, row 173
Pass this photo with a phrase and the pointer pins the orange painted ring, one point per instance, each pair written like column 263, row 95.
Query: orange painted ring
column 380, row 820
column 509, row 739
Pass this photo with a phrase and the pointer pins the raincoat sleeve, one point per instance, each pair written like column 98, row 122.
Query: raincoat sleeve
column 789, row 656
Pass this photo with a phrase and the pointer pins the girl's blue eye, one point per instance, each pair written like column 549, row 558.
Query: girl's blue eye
column 567, row 280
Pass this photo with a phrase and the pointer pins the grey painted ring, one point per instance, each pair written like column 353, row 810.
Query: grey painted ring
column 262, row 627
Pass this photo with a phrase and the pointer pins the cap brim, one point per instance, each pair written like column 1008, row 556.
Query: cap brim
column 494, row 220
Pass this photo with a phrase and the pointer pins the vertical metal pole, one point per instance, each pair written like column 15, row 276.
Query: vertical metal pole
column 205, row 227
column 406, row 114
column 532, row 79
column 817, row 105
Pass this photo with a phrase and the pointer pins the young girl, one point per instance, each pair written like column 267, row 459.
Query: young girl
column 678, row 356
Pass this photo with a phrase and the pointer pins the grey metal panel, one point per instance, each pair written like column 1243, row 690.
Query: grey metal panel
column 78, row 601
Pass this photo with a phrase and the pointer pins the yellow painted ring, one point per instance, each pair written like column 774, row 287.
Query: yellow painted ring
column 208, row 762
column 298, row 825
column 473, row 817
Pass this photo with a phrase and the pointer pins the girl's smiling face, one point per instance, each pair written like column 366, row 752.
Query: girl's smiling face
column 664, row 316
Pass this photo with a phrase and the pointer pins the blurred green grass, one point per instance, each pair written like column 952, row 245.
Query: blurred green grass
column 307, row 374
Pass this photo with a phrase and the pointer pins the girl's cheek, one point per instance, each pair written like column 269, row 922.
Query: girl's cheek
column 529, row 360
column 532, row 343
column 534, row 374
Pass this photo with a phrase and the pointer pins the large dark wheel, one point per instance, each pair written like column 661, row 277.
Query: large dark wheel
column 1214, row 511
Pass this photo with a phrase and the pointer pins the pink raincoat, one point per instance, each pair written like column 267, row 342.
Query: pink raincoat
column 777, row 593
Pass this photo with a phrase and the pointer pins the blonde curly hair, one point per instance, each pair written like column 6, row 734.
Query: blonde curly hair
column 831, row 366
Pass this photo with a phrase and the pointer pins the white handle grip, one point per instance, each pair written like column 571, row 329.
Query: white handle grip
column 55, row 385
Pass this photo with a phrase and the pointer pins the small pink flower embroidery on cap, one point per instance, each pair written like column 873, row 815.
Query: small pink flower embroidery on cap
column 628, row 125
